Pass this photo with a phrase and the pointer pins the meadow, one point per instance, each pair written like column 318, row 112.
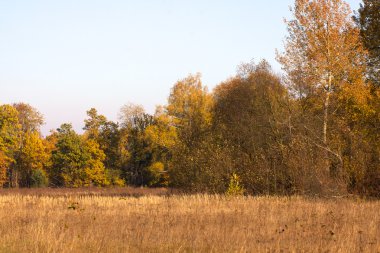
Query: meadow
column 157, row 220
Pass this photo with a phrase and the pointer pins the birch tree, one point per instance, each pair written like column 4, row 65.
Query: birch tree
column 324, row 59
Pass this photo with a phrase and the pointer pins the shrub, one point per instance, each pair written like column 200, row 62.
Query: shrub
column 157, row 175
column 113, row 176
column 39, row 178
column 234, row 187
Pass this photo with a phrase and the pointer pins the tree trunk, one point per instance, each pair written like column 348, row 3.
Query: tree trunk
column 325, row 123
column 326, row 117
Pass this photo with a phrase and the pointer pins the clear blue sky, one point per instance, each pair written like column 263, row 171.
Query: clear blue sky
column 64, row 57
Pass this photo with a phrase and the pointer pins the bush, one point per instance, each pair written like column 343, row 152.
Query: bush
column 39, row 178
column 234, row 187
column 157, row 175
column 113, row 176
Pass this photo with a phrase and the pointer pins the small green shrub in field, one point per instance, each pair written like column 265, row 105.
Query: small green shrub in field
column 234, row 187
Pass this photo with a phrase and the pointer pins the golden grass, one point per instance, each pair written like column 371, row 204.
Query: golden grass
column 196, row 223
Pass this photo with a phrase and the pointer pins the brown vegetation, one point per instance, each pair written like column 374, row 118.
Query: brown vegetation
column 69, row 222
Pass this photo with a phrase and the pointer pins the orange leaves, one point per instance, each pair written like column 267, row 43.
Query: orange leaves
column 323, row 55
column 322, row 41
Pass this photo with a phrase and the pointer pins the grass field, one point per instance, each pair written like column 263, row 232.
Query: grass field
column 136, row 220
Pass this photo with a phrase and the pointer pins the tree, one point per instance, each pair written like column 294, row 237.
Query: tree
column 4, row 162
column 10, row 131
column 32, row 159
column 134, row 122
column 161, row 137
column 251, row 122
column 94, row 123
column 190, row 106
column 31, row 155
column 107, row 135
column 30, row 119
column 109, row 141
column 132, row 116
column 76, row 161
column 366, row 176
column 325, row 64
column 190, row 112
column 368, row 20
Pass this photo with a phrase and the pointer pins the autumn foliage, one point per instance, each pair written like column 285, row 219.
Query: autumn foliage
column 314, row 130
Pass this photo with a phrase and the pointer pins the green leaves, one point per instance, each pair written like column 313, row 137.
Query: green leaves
column 10, row 131
column 77, row 161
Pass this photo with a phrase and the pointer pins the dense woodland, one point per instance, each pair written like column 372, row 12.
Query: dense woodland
column 315, row 129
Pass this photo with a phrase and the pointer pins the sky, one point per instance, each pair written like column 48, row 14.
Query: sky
column 65, row 57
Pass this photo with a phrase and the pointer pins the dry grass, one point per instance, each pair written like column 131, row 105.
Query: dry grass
column 69, row 222
column 89, row 191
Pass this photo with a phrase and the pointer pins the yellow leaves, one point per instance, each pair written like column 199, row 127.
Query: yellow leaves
column 95, row 175
column 95, row 171
column 157, row 167
column 158, row 175
column 33, row 152
column 9, row 128
column 163, row 136
column 3, row 168
column 94, row 149
column 190, row 105
column 8, row 116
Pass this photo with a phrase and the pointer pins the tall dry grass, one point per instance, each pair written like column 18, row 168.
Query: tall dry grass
column 197, row 223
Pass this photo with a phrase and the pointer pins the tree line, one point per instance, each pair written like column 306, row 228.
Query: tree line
column 313, row 130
